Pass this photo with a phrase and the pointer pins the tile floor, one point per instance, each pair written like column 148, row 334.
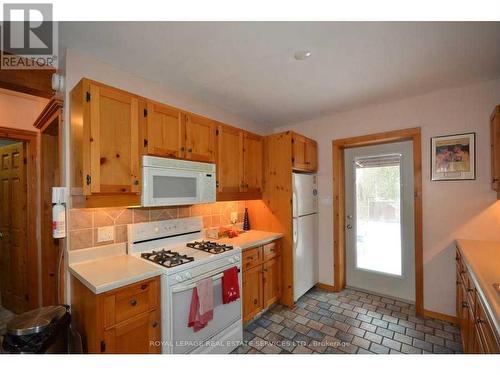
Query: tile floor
column 348, row 322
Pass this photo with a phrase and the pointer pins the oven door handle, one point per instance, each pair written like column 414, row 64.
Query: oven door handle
column 183, row 288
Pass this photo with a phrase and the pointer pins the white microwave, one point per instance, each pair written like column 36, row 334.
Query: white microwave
column 172, row 182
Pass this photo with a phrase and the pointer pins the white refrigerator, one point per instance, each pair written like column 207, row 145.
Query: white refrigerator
column 305, row 233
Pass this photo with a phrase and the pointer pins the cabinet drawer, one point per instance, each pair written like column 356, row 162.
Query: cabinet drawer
column 130, row 301
column 252, row 257
column 486, row 333
column 271, row 250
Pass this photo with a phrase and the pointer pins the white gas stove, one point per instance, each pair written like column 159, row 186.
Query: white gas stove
column 177, row 247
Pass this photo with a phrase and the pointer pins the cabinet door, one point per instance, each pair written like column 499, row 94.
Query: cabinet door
column 252, row 292
column 164, row 131
column 272, row 281
column 299, row 152
column 311, row 155
column 134, row 336
column 111, row 165
column 200, row 138
column 495, row 150
column 252, row 163
column 229, row 159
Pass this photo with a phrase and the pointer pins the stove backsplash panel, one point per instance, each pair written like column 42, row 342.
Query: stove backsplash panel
column 83, row 222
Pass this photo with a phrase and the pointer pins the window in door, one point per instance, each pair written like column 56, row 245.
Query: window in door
column 378, row 214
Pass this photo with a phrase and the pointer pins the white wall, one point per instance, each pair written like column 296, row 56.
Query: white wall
column 451, row 209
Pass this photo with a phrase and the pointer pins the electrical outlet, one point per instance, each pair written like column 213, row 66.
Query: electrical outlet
column 234, row 217
column 105, row 234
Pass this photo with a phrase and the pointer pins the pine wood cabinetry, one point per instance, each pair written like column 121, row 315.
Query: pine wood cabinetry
column 111, row 129
column 121, row 321
column 478, row 335
column 163, row 130
column 239, row 164
column 261, row 278
column 495, row 150
column 304, row 153
column 104, row 142
column 200, row 141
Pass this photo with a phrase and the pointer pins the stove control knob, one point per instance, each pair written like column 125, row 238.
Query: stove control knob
column 236, row 258
column 187, row 275
column 230, row 260
column 179, row 278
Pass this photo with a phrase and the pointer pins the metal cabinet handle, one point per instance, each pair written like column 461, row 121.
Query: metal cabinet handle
column 349, row 226
column 470, row 289
column 133, row 302
column 480, row 321
column 465, row 304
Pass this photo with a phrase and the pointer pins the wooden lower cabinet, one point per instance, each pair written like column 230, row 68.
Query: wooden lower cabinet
column 122, row 321
column 476, row 329
column 261, row 278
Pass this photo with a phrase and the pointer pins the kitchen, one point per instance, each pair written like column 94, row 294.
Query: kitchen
column 189, row 229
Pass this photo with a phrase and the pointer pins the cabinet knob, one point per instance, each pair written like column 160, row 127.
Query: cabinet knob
column 144, row 286
column 133, row 302
column 470, row 289
column 155, row 324
column 190, row 150
column 255, row 301
column 465, row 304
column 480, row 321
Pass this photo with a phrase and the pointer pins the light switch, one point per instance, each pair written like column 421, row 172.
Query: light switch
column 105, row 234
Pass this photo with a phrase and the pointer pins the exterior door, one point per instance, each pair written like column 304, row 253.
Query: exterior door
column 380, row 239
column 13, row 225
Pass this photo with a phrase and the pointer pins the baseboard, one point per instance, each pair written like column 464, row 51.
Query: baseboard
column 441, row 316
column 329, row 288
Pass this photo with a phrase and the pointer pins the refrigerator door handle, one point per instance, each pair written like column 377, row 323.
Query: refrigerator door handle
column 295, row 203
column 295, row 233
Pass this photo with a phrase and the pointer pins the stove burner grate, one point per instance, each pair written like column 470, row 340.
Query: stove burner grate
column 167, row 258
column 209, row 247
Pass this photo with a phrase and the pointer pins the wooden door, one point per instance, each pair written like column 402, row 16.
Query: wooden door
column 200, row 138
column 134, row 336
column 252, row 292
column 299, row 152
column 229, row 159
column 164, row 130
column 495, row 149
column 13, row 226
column 311, row 157
column 252, row 163
column 114, row 142
column 272, row 281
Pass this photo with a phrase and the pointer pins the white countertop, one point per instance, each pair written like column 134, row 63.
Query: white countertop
column 107, row 273
column 251, row 238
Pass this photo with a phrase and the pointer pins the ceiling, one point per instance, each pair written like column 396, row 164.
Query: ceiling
column 248, row 68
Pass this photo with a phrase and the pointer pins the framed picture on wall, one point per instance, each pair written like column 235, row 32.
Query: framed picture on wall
column 453, row 157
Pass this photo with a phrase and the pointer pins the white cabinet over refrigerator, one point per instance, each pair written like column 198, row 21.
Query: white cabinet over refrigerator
column 305, row 233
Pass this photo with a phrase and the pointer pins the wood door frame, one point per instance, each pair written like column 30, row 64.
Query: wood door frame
column 339, row 249
column 30, row 138
column 52, row 112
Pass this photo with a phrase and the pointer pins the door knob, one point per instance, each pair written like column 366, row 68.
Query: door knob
column 349, row 226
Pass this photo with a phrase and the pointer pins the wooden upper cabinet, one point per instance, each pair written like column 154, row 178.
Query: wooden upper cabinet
column 495, row 150
column 200, row 138
column 229, row 163
column 105, row 139
column 304, row 153
column 253, row 149
column 164, row 130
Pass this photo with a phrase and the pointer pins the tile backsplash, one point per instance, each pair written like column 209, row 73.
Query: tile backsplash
column 83, row 222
